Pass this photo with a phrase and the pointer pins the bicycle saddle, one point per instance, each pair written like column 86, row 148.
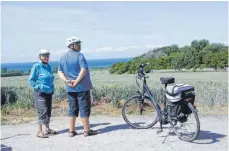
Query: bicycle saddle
column 167, row 80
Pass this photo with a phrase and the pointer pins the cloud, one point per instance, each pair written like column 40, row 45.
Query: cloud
column 100, row 52
column 111, row 52
column 116, row 49
column 149, row 46
column 110, row 49
column 126, row 48
column 22, row 54
column 49, row 15
column 34, row 27
column 151, row 36
column 104, row 49
column 153, row 46
column 58, row 52
column 137, row 51
column 35, row 22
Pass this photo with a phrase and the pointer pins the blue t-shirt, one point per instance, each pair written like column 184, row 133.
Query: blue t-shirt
column 41, row 77
column 70, row 64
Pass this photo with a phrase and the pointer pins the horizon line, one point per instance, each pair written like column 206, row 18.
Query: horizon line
column 57, row 61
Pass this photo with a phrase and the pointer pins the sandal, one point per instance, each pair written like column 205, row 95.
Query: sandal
column 41, row 134
column 72, row 134
column 90, row 133
column 50, row 131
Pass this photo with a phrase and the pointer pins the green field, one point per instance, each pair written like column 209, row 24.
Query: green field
column 211, row 92
column 211, row 87
column 104, row 77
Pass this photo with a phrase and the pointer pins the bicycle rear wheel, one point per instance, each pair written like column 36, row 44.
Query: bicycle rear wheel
column 188, row 128
column 138, row 113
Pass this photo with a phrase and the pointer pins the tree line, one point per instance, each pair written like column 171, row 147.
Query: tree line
column 11, row 73
column 200, row 54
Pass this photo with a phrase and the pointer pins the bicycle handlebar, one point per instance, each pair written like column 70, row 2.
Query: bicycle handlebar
column 141, row 73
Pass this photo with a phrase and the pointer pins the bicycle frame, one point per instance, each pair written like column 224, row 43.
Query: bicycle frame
column 155, row 103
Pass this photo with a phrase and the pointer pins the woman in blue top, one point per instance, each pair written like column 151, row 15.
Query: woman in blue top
column 41, row 79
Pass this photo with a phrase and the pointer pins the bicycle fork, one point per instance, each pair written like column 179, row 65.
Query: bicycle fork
column 160, row 120
column 141, row 103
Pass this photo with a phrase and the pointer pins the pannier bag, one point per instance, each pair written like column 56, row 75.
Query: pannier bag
column 178, row 97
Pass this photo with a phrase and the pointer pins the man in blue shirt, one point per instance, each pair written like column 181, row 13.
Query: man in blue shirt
column 73, row 69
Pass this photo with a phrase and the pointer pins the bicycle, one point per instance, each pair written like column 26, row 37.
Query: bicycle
column 174, row 112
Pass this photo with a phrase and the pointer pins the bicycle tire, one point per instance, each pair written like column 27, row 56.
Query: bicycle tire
column 132, row 124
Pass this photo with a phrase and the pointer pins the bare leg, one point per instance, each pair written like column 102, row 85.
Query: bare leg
column 72, row 121
column 47, row 127
column 86, row 126
column 40, row 132
column 85, row 122
column 39, row 128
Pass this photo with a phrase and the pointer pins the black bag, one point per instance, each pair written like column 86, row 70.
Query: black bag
column 188, row 97
column 176, row 108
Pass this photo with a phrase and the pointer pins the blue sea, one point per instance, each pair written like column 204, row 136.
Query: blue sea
column 94, row 63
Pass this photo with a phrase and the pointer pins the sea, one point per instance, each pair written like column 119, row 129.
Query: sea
column 93, row 64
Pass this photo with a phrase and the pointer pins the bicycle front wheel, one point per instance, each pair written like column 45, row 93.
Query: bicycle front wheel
column 139, row 113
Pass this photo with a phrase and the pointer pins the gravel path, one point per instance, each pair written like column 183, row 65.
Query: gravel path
column 115, row 135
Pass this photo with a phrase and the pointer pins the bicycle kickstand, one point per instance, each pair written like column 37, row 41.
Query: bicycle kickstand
column 167, row 136
column 160, row 130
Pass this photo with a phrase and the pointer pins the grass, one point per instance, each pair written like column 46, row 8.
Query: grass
column 18, row 116
column 110, row 91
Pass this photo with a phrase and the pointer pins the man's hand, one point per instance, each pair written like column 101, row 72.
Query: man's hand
column 69, row 82
column 82, row 73
column 74, row 83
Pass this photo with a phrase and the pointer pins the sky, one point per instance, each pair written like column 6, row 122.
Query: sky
column 107, row 29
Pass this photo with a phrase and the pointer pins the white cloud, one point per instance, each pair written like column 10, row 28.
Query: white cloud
column 58, row 52
column 109, row 49
column 48, row 15
column 226, row 43
column 149, row 46
column 151, row 36
column 120, row 49
column 32, row 28
column 126, row 48
column 104, row 49
column 154, row 46
column 22, row 54
column 98, row 50
column 139, row 50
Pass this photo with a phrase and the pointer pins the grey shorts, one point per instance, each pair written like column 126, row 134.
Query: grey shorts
column 43, row 104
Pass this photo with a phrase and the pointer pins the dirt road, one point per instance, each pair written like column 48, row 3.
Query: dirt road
column 114, row 135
